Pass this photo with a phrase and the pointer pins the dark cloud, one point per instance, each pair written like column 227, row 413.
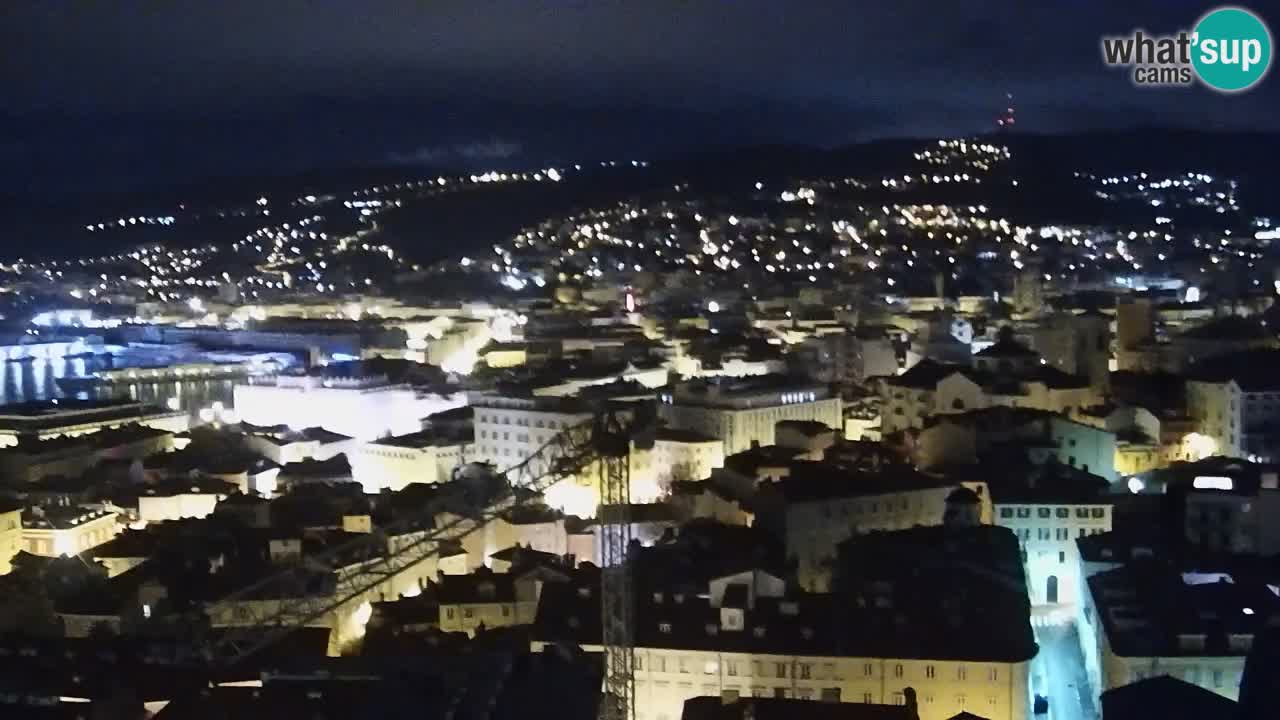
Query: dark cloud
column 228, row 85
column 493, row 151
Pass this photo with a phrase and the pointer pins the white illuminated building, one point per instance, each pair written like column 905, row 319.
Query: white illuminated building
column 394, row 462
column 365, row 408
column 1047, row 527
column 510, row 429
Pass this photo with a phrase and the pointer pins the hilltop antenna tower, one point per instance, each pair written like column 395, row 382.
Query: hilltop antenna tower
column 1005, row 121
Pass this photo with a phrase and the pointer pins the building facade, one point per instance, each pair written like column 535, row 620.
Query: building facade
column 743, row 413
column 1047, row 532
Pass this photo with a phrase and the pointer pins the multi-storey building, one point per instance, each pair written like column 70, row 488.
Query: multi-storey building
column 41, row 420
column 30, row 460
column 743, row 412
column 1038, row 436
column 1076, row 344
column 1214, row 338
column 363, row 407
column 746, row 636
column 682, row 455
column 1217, row 410
column 818, row 506
column 511, row 428
column 1235, row 400
column 1145, row 618
column 1228, row 505
column 1048, row 516
column 931, row 388
column 849, row 357
column 422, row 457
column 487, row 600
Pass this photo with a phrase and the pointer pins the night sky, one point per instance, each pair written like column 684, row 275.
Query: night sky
column 119, row 95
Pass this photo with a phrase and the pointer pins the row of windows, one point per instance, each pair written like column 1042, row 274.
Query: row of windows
column 782, row 670
column 522, row 422
column 520, row 437
column 397, row 454
column 469, row 613
column 873, row 507
column 1081, row 513
column 830, row 695
column 1060, row 534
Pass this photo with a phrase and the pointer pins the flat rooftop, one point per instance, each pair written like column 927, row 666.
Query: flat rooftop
column 52, row 414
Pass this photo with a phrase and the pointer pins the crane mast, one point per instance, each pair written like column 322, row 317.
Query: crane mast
column 617, row 598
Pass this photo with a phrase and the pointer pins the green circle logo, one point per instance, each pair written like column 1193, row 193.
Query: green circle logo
column 1231, row 49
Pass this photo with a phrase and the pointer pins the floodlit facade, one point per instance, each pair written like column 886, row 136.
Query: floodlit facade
column 177, row 501
column 1047, row 532
column 54, row 531
column 744, row 412
column 364, row 408
column 394, row 462
column 510, row 429
column 686, row 455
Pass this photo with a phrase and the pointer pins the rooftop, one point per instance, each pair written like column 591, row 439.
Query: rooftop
column 1150, row 609
column 1007, row 348
column 913, row 625
column 37, row 416
column 715, row 708
column 61, row 518
column 417, row 441
column 1166, row 698
column 818, row 481
column 667, row 434
column 1231, row 328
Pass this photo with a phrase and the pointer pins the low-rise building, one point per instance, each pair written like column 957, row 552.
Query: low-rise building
column 484, row 600
column 40, row 420
column 54, row 531
column 183, row 498
column 29, row 459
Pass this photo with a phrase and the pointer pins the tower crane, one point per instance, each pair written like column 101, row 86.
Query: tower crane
column 316, row 592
